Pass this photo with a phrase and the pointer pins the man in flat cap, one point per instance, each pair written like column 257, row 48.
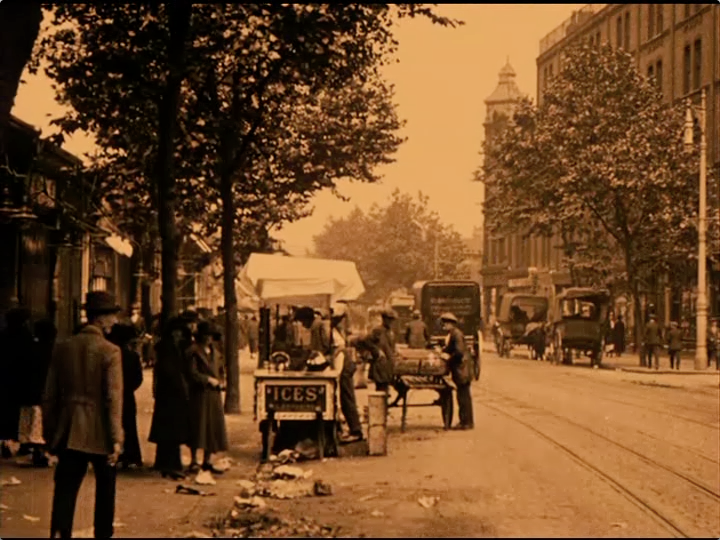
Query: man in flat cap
column 82, row 409
column 454, row 353
column 380, row 343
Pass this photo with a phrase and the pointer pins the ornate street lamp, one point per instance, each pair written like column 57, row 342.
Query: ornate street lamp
column 702, row 301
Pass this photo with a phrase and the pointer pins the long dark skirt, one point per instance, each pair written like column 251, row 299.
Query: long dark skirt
column 168, row 457
column 207, row 424
column 131, row 448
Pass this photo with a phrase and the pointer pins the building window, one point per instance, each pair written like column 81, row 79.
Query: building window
column 659, row 75
column 650, row 73
column 627, row 31
column 618, row 32
column 597, row 39
column 697, row 65
column 651, row 20
column 698, row 7
column 687, row 10
column 660, row 18
column 501, row 254
column 687, row 69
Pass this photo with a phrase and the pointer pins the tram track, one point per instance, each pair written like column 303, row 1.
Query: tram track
column 707, row 490
column 602, row 395
column 711, row 495
column 624, row 396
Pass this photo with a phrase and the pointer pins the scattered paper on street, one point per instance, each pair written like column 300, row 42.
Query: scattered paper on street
column 428, row 502
column 204, row 478
column 12, row 481
column 34, row 519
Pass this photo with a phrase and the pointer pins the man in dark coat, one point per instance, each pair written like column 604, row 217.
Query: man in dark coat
column 82, row 412
column 619, row 336
column 652, row 343
column 170, row 426
column 381, row 345
column 455, row 353
column 416, row 335
column 674, row 342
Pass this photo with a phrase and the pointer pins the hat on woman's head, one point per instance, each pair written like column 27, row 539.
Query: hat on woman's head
column 189, row 315
column 205, row 328
column 101, row 303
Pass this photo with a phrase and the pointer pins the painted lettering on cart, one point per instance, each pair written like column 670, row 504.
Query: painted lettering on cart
column 295, row 397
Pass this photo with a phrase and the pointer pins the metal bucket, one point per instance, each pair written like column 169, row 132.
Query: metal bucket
column 377, row 423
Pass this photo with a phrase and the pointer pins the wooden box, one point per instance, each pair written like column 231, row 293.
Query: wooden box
column 419, row 362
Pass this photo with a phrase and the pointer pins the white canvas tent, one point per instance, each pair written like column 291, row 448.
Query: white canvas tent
column 279, row 279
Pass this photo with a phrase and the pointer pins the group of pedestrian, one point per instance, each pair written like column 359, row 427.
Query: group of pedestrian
column 187, row 386
column 24, row 363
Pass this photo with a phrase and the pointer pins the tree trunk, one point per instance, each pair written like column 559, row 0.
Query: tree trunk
column 148, row 254
column 639, row 324
column 19, row 27
column 232, row 363
column 179, row 17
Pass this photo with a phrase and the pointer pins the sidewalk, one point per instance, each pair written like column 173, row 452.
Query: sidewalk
column 147, row 505
column 630, row 362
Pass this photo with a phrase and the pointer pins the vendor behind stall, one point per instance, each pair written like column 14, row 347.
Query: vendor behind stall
column 343, row 361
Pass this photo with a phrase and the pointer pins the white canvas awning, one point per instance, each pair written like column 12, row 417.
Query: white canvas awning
column 279, row 279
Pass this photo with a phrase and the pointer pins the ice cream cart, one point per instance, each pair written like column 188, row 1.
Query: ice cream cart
column 306, row 395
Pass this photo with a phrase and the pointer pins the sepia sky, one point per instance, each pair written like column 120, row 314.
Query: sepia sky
column 441, row 81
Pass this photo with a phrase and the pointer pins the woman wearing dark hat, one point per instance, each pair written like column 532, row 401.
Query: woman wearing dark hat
column 122, row 335
column 454, row 353
column 171, row 415
column 207, row 419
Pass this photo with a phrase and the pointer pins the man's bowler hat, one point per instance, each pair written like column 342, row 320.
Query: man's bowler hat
column 101, row 303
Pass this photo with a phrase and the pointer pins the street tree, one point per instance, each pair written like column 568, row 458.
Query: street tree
column 243, row 64
column 393, row 245
column 296, row 105
column 19, row 28
column 601, row 161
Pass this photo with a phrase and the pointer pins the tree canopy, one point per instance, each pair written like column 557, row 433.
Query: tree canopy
column 393, row 245
column 600, row 161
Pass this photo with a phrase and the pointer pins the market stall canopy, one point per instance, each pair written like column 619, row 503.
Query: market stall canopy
column 300, row 280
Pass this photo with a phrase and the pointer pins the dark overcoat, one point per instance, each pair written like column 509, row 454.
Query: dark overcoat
column 82, row 406
column 132, row 380
column 417, row 336
column 459, row 362
column 381, row 344
column 170, row 420
column 207, row 419
column 16, row 346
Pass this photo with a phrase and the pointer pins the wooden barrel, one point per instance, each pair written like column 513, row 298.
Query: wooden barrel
column 377, row 423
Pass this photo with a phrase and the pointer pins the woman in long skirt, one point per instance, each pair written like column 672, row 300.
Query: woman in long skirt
column 122, row 335
column 207, row 431
column 170, row 422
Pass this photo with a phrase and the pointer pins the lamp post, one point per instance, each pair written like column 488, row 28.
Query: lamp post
column 436, row 249
column 702, row 301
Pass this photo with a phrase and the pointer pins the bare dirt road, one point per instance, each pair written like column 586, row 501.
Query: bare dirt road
column 557, row 451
